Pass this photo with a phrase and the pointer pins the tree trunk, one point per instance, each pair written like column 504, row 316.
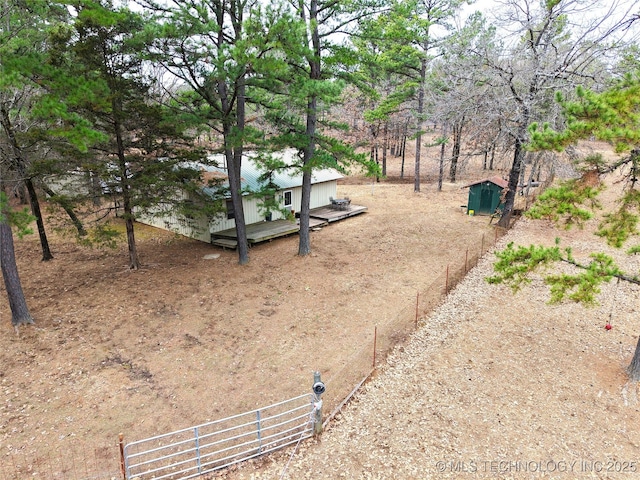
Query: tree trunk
column 19, row 162
column 385, row 145
column 134, row 262
column 95, row 189
column 233, row 140
column 514, row 177
column 526, row 159
column 403, row 150
column 21, row 194
column 419, row 113
column 238, row 151
column 442, row 151
column 455, row 155
column 395, row 139
column 234, row 163
column 19, row 311
column 373, row 153
column 35, row 210
column 66, row 206
column 304, row 247
column 534, row 168
column 634, row 367
column 493, row 156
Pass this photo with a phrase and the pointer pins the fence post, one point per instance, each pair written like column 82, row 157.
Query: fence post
column 318, row 390
column 197, row 440
column 446, row 282
column 123, row 468
column 258, row 427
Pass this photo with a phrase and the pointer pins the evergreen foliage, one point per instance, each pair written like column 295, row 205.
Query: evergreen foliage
column 140, row 154
column 565, row 203
column 613, row 116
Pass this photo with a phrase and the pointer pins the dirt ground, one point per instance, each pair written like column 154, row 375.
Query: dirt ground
column 495, row 385
column 491, row 386
column 187, row 340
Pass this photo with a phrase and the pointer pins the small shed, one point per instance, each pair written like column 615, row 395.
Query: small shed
column 485, row 195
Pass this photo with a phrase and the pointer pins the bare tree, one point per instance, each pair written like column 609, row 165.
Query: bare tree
column 550, row 46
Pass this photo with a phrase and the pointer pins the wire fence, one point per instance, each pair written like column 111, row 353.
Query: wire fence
column 69, row 462
column 389, row 333
column 106, row 462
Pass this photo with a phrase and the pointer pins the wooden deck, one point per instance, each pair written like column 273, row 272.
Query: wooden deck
column 332, row 215
column 264, row 231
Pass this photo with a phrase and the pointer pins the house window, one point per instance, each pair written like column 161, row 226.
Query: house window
column 287, row 198
column 230, row 213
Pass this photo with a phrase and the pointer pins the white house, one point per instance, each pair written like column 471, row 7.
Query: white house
column 288, row 194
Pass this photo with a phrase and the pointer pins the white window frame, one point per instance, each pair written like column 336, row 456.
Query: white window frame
column 284, row 199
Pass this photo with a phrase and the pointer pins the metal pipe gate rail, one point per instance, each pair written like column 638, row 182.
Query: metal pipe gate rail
column 193, row 451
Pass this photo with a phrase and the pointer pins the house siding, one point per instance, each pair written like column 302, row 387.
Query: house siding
column 320, row 193
column 197, row 228
column 324, row 185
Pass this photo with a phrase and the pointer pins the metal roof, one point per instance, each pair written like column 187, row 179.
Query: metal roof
column 252, row 173
column 499, row 181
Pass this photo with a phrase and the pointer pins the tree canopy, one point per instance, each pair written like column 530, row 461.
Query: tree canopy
column 131, row 102
column 613, row 116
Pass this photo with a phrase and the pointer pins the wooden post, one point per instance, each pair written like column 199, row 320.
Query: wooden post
column 482, row 245
column 375, row 340
column 122, row 463
column 417, row 306
column 446, row 282
column 466, row 260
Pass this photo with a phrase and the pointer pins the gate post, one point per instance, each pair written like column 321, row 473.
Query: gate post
column 318, row 390
column 123, row 464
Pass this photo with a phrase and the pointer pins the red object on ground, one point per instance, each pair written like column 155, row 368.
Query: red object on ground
column 608, row 326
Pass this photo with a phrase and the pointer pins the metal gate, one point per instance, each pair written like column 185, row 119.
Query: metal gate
column 211, row 446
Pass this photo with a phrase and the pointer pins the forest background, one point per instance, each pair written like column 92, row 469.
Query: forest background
column 128, row 99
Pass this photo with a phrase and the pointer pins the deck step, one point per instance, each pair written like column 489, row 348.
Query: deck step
column 224, row 242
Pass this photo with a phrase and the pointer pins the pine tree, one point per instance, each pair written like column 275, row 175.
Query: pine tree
column 612, row 116
column 214, row 48
column 22, row 33
column 311, row 83
column 142, row 155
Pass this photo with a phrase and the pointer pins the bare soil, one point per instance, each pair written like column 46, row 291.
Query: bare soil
column 186, row 340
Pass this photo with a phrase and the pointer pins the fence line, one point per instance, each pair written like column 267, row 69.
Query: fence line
column 103, row 463
column 100, row 463
column 386, row 335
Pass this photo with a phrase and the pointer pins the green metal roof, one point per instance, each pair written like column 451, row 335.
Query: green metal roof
column 252, row 174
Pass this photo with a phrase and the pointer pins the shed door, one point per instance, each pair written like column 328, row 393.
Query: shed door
column 486, row 199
